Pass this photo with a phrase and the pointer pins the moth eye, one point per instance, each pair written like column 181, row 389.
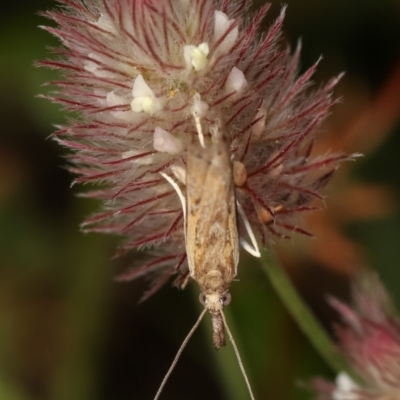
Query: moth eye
column 225, row 299
column 203, row 299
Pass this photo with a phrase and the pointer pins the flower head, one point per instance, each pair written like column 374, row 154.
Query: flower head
column 370, row 340
column 141, row 73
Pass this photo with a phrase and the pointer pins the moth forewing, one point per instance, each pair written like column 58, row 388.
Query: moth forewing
column 211, row 228
column 212, row 242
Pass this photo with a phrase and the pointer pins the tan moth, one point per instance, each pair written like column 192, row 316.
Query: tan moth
column 212, row 244
column 211, row 234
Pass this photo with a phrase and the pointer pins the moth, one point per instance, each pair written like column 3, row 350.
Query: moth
column 212, row 243
column 211, row 230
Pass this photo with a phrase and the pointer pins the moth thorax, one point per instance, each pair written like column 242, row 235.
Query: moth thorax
column 213, row 282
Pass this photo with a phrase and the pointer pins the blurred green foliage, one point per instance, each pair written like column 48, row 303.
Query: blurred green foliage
column 67, row 331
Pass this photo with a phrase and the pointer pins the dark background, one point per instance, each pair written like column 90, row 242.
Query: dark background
column 68, row 331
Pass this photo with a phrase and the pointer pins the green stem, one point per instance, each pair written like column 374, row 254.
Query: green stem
column 302, row 314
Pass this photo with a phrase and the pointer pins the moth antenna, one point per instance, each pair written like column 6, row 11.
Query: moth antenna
column 237, row 355
column 199, row 129
column 178, row 354
column 178, row 190
column 253, row 250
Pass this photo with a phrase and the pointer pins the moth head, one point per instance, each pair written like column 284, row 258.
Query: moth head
column 215, row 301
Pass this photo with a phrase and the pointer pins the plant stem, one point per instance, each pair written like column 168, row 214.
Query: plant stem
column 301, row 313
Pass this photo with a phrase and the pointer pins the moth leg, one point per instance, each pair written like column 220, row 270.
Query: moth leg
column 249, row 248
column 185, row 282
column 178, row 191
column 239, row 173
column 199, row 129
column 179, row 172
column 253, row 247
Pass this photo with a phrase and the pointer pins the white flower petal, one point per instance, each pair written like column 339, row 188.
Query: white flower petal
column 196, row 56
column 236, row 82
column 200, row 107
column 204, row 49
column 141, row 88
column 147, row 104
column 221, row 24
column 165, row 142
column 137, row 105
column 144, row 99
column 345, row 387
